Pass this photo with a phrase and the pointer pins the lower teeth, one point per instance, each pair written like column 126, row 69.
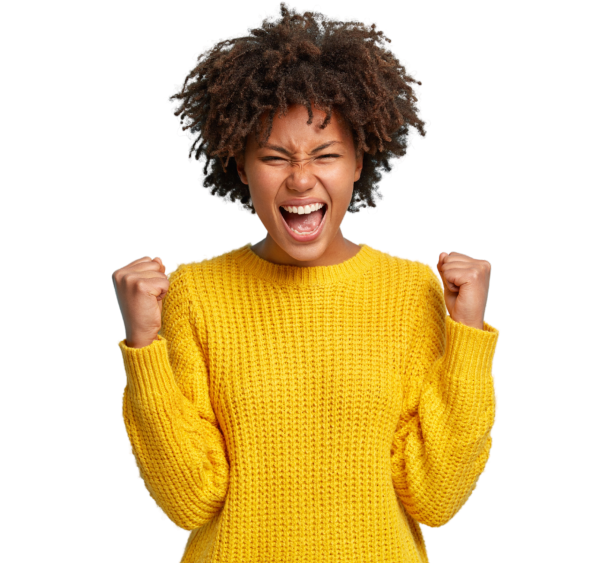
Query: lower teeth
column 306, row 233
column 310, row 232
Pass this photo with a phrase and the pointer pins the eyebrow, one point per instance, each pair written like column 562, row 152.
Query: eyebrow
column 288, row 153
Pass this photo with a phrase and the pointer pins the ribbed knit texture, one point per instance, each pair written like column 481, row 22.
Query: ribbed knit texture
column 309, row 414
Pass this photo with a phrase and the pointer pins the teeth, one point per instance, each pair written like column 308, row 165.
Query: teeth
column 309, row 233
column 304, row 210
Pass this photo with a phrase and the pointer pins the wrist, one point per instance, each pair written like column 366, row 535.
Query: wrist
column 139, row 341
column 475, row 324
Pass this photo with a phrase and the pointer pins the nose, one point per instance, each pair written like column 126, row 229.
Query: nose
column 299, row 178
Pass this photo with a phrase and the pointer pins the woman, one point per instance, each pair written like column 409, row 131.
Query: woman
column 305, row 398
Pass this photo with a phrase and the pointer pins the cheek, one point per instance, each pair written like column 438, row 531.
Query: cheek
column 267, row 176
column 263, row 184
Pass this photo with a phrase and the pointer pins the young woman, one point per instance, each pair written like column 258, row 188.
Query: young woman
column 305, row 398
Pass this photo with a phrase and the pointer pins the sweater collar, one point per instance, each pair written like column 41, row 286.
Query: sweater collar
column 284, row 274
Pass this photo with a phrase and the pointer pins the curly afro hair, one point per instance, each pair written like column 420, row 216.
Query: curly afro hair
column 298, row 59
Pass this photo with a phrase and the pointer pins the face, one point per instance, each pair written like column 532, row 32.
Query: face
column 302, row 165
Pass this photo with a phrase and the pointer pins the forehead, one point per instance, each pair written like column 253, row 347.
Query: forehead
column 293, row 131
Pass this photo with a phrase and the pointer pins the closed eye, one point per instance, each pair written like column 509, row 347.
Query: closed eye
column 279, row 158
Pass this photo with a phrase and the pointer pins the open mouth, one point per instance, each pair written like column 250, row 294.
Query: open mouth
column 305, row 224
column 304, row 228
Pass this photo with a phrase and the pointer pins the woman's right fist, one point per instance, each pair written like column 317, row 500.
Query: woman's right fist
column 141, row 287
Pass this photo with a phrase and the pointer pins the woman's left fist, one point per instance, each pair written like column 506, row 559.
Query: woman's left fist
column 466, row 284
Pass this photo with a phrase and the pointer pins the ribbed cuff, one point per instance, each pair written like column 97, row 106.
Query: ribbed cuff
column 465, row 338
column 467, row 382
column 148, row 369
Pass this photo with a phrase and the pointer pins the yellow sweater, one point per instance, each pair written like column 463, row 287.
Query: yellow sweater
column 309, row 414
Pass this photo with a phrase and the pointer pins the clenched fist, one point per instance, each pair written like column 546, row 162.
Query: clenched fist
column 141, row 287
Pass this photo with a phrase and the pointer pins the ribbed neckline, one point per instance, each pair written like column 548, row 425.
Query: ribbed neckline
column 285, row 274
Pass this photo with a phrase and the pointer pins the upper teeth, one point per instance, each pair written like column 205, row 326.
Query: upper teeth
column 303, row 210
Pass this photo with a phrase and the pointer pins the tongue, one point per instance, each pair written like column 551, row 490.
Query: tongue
column 303, row 223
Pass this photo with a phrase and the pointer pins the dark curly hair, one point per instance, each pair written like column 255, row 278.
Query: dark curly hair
column 298, row 59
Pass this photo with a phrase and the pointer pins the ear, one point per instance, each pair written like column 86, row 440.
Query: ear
column 239, row 161
column 359, row 165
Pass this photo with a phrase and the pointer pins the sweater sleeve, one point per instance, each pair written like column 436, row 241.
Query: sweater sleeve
column 178, row 446
column 443, row 440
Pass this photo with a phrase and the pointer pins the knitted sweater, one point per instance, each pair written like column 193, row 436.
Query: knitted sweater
column 292, row 414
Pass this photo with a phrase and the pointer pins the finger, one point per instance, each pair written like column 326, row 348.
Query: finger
column 449, row 285
column 459, row 261
column 144, row 259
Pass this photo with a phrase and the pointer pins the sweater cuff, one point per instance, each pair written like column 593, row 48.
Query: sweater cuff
column 469, row 349
column 148, row 369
